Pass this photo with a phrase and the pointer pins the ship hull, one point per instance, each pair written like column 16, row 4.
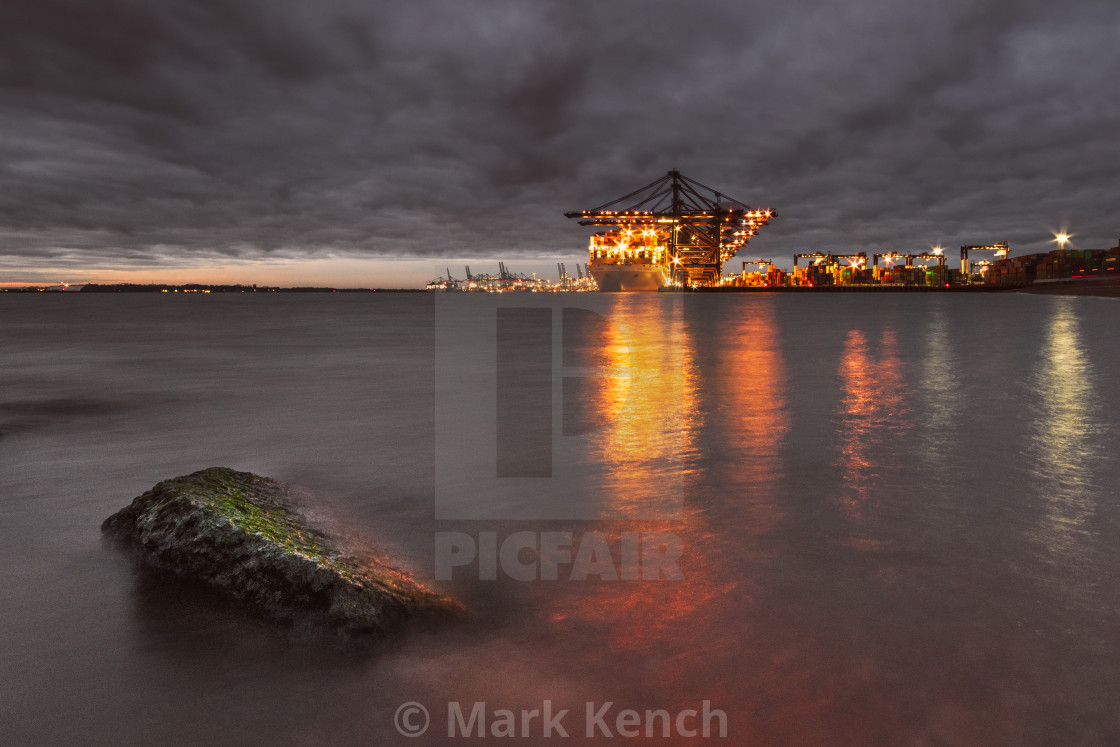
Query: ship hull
column 629, row 278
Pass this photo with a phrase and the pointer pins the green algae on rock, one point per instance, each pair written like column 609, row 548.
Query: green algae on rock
column 243, row 534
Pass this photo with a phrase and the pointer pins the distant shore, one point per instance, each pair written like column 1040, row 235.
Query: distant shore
column 1102, row 287
column 195, row 288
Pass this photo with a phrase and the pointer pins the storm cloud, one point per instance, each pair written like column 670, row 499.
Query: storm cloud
column 141, row 134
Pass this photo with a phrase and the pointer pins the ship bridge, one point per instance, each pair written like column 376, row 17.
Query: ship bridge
column 674, row 223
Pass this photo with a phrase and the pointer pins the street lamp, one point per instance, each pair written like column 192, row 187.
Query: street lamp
column 1062, row 238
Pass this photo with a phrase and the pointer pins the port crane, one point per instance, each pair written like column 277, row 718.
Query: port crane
column 829, row 259
column 449, row 283
column 702, row 228
column 566, row 280
column 908, row 258
column 890, row 257
column 938, row 256
column 831, row 262
column 1000, row 250
column 908, row 261
column 817, row 258
column 763, row 265
column 854, row 260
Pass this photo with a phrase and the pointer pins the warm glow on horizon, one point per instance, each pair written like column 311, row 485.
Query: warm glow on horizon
column 331, row 272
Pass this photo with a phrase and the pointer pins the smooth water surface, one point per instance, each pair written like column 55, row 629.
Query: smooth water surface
column 900, row 520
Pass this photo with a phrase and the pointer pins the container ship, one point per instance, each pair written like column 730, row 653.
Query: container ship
column 672, row 232
column 630, row 260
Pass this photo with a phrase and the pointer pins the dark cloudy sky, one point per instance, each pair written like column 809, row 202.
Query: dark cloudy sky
column 363, row 141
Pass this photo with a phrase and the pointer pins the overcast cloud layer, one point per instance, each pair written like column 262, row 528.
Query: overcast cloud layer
column 170, row 133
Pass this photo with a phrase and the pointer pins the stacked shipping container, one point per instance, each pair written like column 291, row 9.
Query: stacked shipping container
column 1054, row 265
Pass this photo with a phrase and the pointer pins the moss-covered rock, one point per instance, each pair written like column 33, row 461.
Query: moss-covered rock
column 243, row 534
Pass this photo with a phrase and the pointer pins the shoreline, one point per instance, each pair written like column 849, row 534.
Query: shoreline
column 1100, row 287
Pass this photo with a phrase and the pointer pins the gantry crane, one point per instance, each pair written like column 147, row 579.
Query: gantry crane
column 764, row 266
column 999, row 248
column 855, row 260
column 890, row 257
column 817, row 258
column 909, row 257
column 908, row 260
column 761, row 262
column 830, row 260
column 926, row 255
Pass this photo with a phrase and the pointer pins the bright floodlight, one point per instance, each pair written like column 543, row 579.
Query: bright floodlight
column 1062, row 238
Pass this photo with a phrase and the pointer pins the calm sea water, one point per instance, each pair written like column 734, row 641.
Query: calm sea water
column 900, row 522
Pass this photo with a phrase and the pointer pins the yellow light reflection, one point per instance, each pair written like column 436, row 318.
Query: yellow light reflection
column 752, row 386
column 940, row 390
column 1063, row 444
column 873, row 414
column 655, row 404
column 650, row 442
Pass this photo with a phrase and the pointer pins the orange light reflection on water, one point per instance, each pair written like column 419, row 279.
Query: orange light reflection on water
column 873, row 413
column 647, row 445
column 745, row 392
column 753, row 405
